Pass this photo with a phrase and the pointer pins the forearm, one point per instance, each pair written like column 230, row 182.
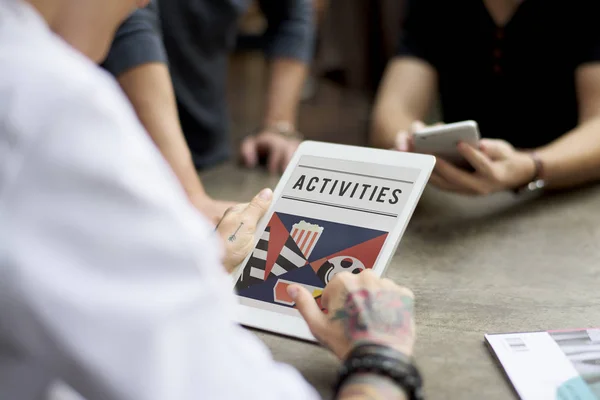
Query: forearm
column 370, row 387
column 389, row 118
column 405, row 95
column 573, row 159
column 285, row 86
column 150, row 90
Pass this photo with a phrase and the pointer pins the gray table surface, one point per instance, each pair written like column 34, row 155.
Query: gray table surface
column 476, row 266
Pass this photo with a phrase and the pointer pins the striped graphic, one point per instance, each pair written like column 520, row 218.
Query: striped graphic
column 254, row 272
column 306, row 236
column 306, row 251
column 289, row 259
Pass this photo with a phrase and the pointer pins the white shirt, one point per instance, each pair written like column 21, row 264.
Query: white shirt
column 109, row 279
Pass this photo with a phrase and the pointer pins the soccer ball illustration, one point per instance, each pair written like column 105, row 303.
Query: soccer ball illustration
column 339, row 264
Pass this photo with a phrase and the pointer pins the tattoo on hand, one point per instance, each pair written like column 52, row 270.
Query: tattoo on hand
column 368, row 315
column 230, row 209
column 233, row 237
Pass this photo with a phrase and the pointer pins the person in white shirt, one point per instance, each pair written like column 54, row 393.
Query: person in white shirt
column 110, row 281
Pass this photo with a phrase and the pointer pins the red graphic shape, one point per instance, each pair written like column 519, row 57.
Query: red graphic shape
column 303, row 245
column 318, row 300
column 318, row 264
column 366, row 252
column 280, row 294
column 312, row 240
column 277, row 239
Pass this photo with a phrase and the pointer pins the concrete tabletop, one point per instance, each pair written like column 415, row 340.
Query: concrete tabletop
column 476, row 266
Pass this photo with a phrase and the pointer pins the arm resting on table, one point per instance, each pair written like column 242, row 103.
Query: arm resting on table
column 574, row 158
column 405, row 95
column 290, row 44
column 150, row 90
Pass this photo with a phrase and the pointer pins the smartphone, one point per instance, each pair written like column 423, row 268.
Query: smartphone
column 442, row 140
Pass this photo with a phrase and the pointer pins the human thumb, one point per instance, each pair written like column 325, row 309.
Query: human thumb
column 417, row 126
column 259, row 204
column 402, row 141
column 308, row 308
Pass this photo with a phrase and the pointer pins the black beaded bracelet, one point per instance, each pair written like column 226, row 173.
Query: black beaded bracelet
column 382, row 361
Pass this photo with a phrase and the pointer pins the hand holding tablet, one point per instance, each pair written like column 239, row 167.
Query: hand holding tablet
column 238, row 226
column 360, row 313
column 336, row 209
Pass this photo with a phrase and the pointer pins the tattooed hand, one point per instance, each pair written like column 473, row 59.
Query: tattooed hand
column 238, row 226
column 362, row 309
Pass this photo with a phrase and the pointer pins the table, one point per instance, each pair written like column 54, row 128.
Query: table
column 476, row 266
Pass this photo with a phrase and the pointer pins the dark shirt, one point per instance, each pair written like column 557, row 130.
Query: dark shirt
column 198, row 35
column 517, row 82
column 138, row 41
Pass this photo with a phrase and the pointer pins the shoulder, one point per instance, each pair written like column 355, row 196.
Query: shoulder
column 41, row 75
column 50, row 92
column 144, row 20
column 138, row 41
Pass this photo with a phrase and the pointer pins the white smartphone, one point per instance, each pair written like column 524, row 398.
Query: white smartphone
column 442, row 140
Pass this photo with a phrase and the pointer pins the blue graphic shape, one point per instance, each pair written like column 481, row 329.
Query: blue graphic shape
column 264, row 291
column 575, row 389
column 336, row 237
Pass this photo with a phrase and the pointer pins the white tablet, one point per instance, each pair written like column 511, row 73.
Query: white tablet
column 336, row 208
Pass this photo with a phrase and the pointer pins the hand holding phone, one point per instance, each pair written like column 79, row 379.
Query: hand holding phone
column 442, row 140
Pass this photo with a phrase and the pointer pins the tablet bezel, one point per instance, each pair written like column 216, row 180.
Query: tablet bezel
column 289, row 322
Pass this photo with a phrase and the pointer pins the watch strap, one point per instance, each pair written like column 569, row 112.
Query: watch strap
column 539, row 166
column 538, row 182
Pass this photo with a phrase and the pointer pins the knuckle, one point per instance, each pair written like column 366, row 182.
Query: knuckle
column 482, row 190
column 258, row 204
column 407, row 292
column 343, row 276
column 367, row 273
column 497, row 175
column 230, row 210
column 238, row 207
column 339, row 280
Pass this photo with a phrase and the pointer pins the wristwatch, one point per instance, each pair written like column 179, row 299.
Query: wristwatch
column 538, row 183
column 282, row 128
column 386, row 362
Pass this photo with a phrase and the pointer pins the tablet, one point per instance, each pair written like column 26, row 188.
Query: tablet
column 336, row 208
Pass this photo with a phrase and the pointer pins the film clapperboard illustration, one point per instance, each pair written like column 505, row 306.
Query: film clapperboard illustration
column 305, row 251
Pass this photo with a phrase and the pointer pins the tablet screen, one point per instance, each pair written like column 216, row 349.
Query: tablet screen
column 332, row 216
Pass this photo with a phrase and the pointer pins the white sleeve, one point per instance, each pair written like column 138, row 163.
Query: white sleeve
column 120, row 289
